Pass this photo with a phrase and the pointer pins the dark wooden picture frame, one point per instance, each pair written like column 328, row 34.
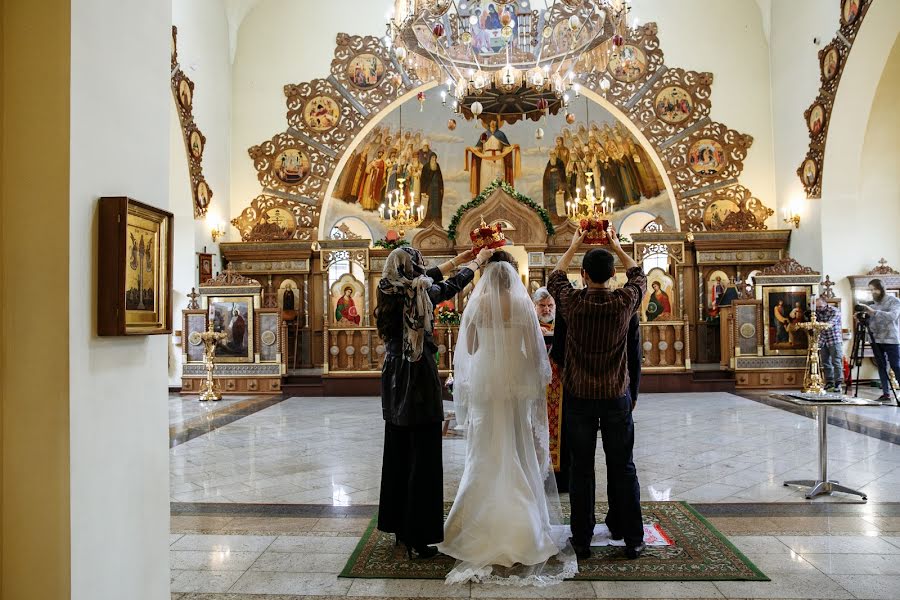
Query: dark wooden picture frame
column 204, row 267
column 135, row 241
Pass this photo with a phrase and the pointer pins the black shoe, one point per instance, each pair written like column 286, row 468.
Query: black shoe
column 581, row 552
column 417, row 552
column 632, row 552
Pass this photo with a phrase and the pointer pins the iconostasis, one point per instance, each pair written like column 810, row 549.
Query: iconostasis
column 385, row 133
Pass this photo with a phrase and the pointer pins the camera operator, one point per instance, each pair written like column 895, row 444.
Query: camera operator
column 831, row 345
column 884, row 322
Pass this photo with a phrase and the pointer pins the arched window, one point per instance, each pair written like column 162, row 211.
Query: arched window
column 634, row 223
column 348, row 228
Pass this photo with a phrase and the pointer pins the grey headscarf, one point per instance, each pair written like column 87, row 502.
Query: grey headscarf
column 404, row 274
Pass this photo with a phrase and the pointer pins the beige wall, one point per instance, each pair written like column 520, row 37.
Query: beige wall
column 119, row 460
column 34, row 289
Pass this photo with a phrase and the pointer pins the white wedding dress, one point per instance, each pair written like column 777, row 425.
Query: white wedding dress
column 505, row 523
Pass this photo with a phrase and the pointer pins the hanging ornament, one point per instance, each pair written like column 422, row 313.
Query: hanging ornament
column 543, row 106
column 438, row 31
column 506, row 32
column 604, row 85
column 618, row 40
column 400, row 53
column 539, row 134
column 421, row 98
column 570, row 118
column 477, row 109
column 505, row 18
column 574, row 22
column 451, row 124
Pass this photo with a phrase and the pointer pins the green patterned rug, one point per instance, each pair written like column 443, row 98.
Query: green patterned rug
column 699, row 553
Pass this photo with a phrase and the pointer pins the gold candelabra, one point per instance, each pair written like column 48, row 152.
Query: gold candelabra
column 397, row 213
column 210, row 390
column 590, row 207
column 812, row 379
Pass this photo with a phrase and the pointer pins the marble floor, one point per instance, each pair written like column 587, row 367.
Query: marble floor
column 696, row 447
column 270, row 505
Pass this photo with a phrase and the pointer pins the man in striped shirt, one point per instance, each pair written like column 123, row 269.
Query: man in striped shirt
column 831, row 342
column 596, row 386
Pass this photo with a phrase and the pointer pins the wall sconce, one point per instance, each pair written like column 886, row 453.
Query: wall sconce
column 218, row 231
column 792, row 217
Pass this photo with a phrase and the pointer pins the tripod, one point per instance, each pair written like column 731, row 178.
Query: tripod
column 863, row 338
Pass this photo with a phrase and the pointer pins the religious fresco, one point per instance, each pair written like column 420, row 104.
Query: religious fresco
column 445, row 164
column 785, row 308
column 347, row 301
column 233, row 315
column 659, row 301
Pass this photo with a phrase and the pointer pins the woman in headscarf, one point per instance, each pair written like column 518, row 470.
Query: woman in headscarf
column 411, row 505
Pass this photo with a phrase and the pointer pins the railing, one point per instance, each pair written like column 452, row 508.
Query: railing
column 666, row 345
column 361, row 350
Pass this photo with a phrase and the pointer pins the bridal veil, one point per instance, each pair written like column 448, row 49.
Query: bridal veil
column 506, row 525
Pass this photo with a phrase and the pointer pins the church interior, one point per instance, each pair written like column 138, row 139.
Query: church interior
column 192, row 365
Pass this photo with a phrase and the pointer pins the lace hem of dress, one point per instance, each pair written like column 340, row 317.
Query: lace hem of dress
column 486, row 575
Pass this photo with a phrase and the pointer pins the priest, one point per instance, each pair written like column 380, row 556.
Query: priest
column 554, row 330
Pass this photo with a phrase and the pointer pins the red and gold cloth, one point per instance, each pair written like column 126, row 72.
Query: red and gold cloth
column 554, row 414
column 554, row 401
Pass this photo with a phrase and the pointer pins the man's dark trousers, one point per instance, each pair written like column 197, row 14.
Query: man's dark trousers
column 617, row 432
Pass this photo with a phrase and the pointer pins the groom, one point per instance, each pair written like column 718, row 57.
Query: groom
column 596, row 383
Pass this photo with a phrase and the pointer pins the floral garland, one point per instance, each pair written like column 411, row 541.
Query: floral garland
column 390, row 244
column 480, row 198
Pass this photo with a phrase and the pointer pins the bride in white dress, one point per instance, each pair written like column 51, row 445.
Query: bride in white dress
column 505, row 524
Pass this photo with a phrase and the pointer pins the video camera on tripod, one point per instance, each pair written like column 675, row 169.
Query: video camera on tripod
column 862, row 338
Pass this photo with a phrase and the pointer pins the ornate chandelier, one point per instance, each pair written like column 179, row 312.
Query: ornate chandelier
column 398, row 214
column 591, row 213
column 590, row 207
column 505, row 59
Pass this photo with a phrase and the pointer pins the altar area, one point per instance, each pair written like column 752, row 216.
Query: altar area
column 702, row 321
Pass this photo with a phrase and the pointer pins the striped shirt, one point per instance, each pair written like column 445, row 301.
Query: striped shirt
column 597, row 319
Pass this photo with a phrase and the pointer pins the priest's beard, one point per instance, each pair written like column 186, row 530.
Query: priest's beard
column 547, row 319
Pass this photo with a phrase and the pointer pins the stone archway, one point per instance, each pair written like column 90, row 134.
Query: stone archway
column 700, row 159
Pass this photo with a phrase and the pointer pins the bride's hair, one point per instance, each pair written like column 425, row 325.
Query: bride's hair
column 501, row 256
column 504, row 256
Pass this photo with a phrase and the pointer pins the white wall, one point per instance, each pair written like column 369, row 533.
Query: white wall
column 203, row 54
column 281, row 42
column 120, row 102
column 861, row 173
column 795, row 84
column 726, row 38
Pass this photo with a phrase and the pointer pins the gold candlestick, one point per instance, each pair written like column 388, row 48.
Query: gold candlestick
column 812, row 380
column 210, row 390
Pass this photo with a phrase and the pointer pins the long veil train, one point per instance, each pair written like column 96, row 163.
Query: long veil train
column 505, row 525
